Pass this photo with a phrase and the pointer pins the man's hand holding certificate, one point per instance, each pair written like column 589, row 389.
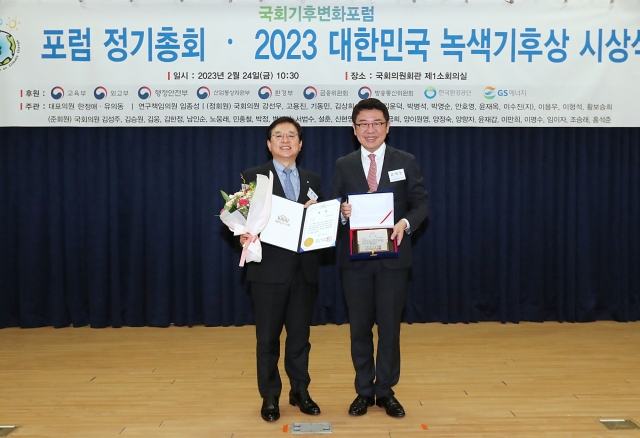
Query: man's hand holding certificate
column 298, row 229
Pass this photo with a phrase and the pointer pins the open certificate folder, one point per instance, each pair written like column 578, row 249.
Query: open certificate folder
column 299, row 229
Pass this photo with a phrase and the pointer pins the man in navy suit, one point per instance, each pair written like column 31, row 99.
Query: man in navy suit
column 375, row 290
column 283, row 284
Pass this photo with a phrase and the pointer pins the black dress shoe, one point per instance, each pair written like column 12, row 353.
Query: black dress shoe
column 391, row 405
column 302, row 399
column 270, row 410
column 360, row 405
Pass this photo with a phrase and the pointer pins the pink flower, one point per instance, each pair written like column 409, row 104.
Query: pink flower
column 243, row 202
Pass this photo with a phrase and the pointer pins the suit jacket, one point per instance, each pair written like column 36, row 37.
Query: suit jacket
column 277, row 262
column 409, row 197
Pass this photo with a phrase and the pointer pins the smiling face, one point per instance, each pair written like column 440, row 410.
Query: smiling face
column 285, row 143
column 371, row 129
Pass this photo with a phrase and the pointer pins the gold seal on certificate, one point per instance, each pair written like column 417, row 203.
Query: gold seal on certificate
column 376, row 240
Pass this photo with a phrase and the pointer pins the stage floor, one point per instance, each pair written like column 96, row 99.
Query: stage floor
column 478, row 380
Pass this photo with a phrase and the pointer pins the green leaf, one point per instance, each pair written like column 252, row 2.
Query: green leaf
column 225, row 196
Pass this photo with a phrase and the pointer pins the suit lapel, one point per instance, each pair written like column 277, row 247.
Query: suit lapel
column 358, row 171
column 389, row 164
column 304, row 186
column 278, row 190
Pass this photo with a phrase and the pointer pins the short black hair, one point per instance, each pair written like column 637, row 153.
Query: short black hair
column 369, row 104
column 285, row 119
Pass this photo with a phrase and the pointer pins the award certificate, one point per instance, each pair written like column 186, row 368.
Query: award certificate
column 320, row 225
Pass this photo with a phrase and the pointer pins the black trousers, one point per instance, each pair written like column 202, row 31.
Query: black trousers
column 289, row 305
column 375, row 294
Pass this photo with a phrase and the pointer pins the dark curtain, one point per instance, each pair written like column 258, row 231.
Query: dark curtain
column 118, row 227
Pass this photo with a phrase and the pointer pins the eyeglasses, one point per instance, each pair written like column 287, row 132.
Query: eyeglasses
column 281, row 136
column 375, row 125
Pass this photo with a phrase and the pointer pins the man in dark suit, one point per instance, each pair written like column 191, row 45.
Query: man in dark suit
column 375, row 290
column 283, row 284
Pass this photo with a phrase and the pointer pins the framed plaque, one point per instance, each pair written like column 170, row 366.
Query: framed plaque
column 371, row 226
column 372, row 240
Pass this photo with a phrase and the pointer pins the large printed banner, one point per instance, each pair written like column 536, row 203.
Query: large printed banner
column 221, row 63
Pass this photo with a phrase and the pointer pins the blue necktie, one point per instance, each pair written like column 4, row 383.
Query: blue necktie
column 288, row 186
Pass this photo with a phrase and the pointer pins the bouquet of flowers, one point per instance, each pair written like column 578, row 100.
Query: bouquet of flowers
column 248, row 211
column 239, row 201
